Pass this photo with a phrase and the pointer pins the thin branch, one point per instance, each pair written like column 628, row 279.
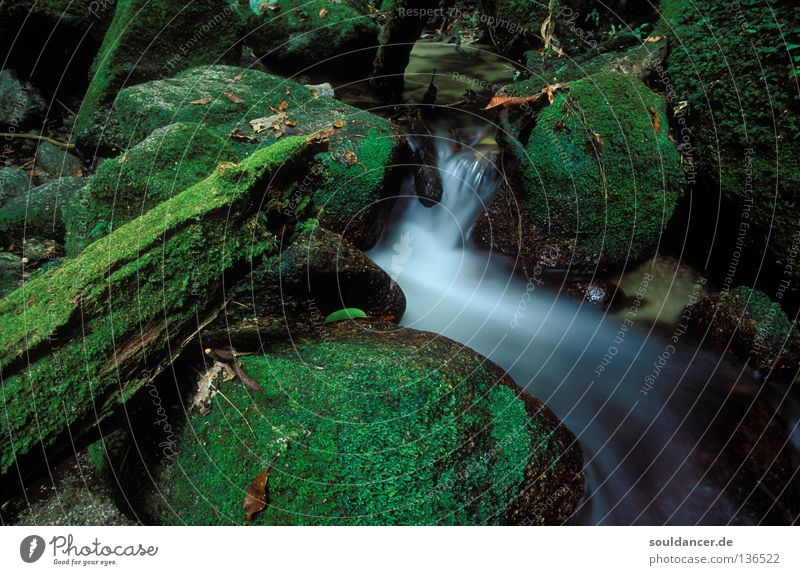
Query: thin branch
column 39, row 137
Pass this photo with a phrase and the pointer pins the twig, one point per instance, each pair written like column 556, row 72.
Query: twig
column 247, row 423
column 36, row 137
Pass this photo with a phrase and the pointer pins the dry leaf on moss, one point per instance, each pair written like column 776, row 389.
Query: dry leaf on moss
column 256, row 498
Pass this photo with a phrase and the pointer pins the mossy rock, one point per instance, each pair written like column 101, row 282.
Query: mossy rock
column 350, row 194
column 290, row 294
column 373, row 425
column 164, row 164
column 737, row 70
column 751, row 325
column 13, row 182
column 86, row 336
column 314, row 37
column 37, row 212
column 150, row 39
column 598, row 178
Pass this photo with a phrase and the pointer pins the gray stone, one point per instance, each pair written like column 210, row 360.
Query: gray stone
column 20, row 102
column 13, row 182
column 55, row 162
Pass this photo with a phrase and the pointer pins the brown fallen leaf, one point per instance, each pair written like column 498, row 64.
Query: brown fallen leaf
column 350, row 158
column 338, row 124
column 278, row 134
column 233, row 97
column 236, row 78
column 264, row 6
column 289, row 122
column 314, row 93
column 256, row 498
column 323, row 12
column 654, row 118
column 225, row 166
column 201, row 101
column 283, row 106
column 653, row 39
column 510, row 101
column 240, row 136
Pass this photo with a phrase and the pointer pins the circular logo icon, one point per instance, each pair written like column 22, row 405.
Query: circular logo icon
column 31, row 548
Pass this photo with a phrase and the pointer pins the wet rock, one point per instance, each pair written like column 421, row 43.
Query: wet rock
column 749, row 324
column 316, row 37
column 53, row 162
column 11, row 272
column 371, row 424
column 37, row 213
column 291, row 293
column 36, row 250
column 20, row 102
column 600, row 294
column 13, row 182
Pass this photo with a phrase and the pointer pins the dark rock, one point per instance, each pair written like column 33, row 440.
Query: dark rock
column 53, row 162
column 292, row 292
column 37, row 213
column 371, row 424
column 601, row 294
column 749, row 324
column 11, row 272
column 317, row 37
column 20, row 102
column 13, row 182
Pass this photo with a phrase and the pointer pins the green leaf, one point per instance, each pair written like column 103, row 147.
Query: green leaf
column 346, row 313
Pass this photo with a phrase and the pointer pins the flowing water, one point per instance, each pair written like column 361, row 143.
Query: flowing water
column 639, row 403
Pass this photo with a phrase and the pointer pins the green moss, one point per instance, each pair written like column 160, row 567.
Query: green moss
column 296, row 37
column 167, row 162
column 357, row 432
column 86, row 335
column 599, row 180
column 150, row 39
column 735, row 65
column 353, row 170
column 751, row 325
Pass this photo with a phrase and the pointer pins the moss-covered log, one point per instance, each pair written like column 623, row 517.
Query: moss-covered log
column 86, row 336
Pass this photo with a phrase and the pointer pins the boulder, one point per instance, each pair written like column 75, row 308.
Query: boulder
column 37, row 212
column 86, row 336
column 251, row 109
column 596, row 178
column 369, row 424
column 54, row 162
column 13, row 182
column 291, row 293
column 20, row 102
column 164, row 164
column 152, row 39
column 749, row 324
column 318, row 37
column 730, row 75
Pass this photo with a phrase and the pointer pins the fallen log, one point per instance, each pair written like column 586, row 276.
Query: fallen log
column 88, row 335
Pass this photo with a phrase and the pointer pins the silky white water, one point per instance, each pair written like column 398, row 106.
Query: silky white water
column 642, row 442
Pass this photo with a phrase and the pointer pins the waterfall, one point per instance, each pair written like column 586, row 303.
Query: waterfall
column 645, row 456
